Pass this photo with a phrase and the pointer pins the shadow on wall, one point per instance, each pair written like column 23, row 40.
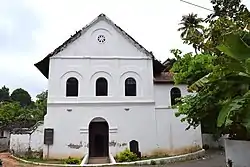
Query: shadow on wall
column 209, row 141
column 4, row 144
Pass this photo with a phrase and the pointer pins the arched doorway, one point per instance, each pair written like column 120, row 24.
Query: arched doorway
column 98, row 138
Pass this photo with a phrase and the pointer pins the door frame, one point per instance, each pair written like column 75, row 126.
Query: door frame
column 103, row 127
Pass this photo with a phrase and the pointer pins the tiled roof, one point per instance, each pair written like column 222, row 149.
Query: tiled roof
column 164, row 77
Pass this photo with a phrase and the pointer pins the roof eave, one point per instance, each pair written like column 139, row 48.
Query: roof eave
column 163, row 82
column 43, row 66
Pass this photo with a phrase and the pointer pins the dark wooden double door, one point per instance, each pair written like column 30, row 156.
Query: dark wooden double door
column 98, row 139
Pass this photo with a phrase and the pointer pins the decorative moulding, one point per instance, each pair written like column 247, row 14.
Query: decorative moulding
column 86, row 130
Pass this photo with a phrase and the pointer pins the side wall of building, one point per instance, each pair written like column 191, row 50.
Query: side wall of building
column 170, row 130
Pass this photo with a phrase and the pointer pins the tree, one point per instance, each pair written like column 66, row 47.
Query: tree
column 192, row 30
column 41, row 101
column 22, row 96
column 4, row 94
column 226, row 89
column 189, row 68
column 20, row 111
column 228, row 16
column 232, row 9
column 13, row 114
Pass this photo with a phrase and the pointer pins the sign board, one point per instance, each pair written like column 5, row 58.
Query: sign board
column 48, row 136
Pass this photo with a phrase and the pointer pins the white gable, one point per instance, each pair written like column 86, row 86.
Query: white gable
column 103, row 38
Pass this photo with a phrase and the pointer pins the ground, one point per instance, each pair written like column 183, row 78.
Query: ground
column 212, row 159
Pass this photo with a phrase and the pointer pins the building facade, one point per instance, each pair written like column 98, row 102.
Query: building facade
column 106, row 93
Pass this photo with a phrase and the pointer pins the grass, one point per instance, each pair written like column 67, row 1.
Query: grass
column 49, row 161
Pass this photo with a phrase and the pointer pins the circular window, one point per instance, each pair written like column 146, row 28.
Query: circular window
column 101, row 39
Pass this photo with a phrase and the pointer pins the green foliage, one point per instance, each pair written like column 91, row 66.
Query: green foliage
column 228, row 16
column 12, row 113
column 224, row 94
column 72, row 161
column 21, row 111
column 22, row 96
column 162, row 162
column 192, row 30
column 41, row 101
column 235, row 113
column 197, row 108
column 189, row 68
column 220, row 84
column 152, row 162
column 237, row 10
column 4, row 94
column 126, row 156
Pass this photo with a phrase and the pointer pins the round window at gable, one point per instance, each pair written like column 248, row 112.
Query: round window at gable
column 101, row 39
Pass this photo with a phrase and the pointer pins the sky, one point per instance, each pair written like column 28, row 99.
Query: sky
column 31, row 29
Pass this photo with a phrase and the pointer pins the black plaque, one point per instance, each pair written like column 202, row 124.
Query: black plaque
column 48, row 136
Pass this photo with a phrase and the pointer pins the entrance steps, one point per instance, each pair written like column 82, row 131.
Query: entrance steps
column 98, row 160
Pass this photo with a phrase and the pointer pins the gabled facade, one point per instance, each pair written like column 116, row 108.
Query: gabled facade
column 107, row 93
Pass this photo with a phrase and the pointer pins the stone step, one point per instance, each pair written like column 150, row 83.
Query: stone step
column 98, row 160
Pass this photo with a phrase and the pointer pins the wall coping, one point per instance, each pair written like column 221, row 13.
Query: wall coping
column 189, row 156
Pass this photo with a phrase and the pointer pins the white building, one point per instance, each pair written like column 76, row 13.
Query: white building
column 106, row 90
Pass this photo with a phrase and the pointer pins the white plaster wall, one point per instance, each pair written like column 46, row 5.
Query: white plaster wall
column 162, row 94
column 20, row 142
column 86, row 59
column 37, row 139
column 124, row 126
column 148, row 117
column 115, row 45
column 238, row 152
column 170, row 130
column 87, row 72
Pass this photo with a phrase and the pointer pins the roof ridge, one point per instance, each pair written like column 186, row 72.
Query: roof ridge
column 78, row 33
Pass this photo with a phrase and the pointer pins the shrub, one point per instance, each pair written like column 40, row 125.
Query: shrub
column 152, row 162
column 72, row 161
column 162, row 162
column 126, row 156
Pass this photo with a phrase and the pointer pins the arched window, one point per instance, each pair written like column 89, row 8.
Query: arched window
column 175, row 94
column 101, row 87
column 130, row 87
column 72, row 87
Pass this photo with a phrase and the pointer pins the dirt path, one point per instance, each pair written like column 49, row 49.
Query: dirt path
column 8, row 161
